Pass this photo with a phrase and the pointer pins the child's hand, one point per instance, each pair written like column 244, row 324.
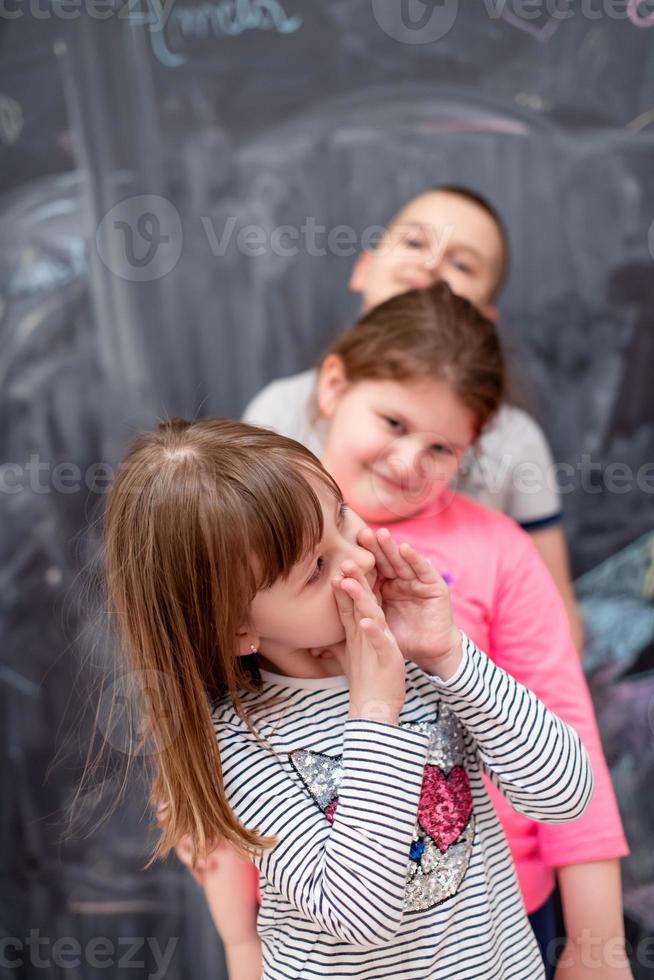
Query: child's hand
column 416, row 602
column 370, row 659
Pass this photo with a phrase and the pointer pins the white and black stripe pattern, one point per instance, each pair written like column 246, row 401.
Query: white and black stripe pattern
column 534, row 758
column 332, row 893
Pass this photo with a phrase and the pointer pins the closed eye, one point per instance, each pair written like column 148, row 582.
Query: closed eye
column 462, row 265
column 440, row 447
column 392, row 423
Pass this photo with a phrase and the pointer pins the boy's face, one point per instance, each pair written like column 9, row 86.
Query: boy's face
column 436, row 236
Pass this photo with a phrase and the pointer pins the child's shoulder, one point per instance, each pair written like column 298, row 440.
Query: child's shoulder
column 512, row 423
column 295, row 388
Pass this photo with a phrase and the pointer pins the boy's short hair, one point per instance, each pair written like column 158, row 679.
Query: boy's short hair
column 468, row 194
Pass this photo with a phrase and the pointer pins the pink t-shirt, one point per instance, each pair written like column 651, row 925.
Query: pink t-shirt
column 504, row 598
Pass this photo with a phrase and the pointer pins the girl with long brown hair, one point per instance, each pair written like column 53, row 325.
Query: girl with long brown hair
column 330, row 723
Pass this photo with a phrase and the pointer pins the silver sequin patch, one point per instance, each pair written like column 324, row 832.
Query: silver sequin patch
column 433, row 875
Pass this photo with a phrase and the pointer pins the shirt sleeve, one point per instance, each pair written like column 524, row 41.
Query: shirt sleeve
column 266, row 408
column 530, row 639
column 349, row 877
column 529, row 754
column 533, row 497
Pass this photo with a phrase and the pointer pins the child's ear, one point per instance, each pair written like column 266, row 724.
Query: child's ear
column 490, row 312
column 332, row 383
column 246, row 643
column 359, row 274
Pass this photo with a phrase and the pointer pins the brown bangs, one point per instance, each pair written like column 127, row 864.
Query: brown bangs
column 285, row 524
column 200, row 516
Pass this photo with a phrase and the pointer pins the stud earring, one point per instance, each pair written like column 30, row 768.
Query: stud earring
column 253, row 649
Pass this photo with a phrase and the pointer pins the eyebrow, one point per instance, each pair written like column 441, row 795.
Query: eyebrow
column 409, row 425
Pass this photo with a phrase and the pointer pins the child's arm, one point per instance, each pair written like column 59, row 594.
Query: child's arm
column 534, row 502
column 591, row 895
column 551, row 545
column 530, row 639
column 231, row 897
column 230, row 885
column 530, row 755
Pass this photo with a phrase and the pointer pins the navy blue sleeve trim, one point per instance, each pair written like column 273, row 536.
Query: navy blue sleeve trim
column 542, row 522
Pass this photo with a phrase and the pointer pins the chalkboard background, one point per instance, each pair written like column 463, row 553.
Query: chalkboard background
column 234, row 116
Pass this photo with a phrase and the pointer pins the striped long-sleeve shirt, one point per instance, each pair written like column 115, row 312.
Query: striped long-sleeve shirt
column 390, row 861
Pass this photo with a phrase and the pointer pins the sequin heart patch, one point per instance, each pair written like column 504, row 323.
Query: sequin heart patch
column 445, row 804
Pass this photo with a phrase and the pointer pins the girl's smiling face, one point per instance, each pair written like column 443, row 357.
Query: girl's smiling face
column 299, row 614
column 392, row 446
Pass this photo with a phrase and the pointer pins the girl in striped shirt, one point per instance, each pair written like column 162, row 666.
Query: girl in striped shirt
column 327, row 721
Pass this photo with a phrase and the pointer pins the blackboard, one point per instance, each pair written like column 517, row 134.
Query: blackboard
column 238, row 115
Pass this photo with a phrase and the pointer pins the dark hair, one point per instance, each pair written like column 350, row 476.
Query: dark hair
column 428, row 333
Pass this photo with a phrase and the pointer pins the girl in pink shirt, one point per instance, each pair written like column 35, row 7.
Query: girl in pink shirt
column 400, row 397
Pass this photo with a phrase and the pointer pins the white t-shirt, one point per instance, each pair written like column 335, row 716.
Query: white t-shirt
column 390, row 860
column 510, row 469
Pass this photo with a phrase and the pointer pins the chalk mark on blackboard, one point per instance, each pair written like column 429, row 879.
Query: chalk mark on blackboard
column 11, row 120
column 212, row 19
column 641, row 122
column 541, row 33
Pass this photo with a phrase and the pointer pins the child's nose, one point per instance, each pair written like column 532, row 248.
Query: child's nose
column 432, row 264
column 405, row 457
